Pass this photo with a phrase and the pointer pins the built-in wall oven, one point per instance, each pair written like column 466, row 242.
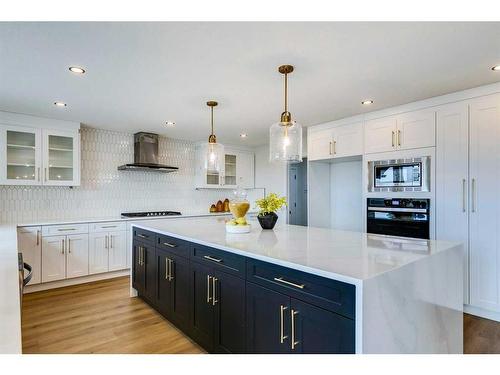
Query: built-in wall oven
column 410, row 174
column 405, row 217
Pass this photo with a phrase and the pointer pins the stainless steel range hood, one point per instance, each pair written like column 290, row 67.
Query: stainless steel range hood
column 146, row 155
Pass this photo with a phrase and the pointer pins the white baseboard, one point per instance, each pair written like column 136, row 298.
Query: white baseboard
column 75, row 281
column 473, row 310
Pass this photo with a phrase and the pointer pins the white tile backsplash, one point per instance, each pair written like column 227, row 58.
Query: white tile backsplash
column 105, row 191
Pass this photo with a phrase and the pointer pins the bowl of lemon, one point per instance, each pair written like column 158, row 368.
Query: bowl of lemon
column 239, row 207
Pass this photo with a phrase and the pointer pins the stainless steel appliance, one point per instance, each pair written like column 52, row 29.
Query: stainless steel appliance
column 150, row 213
column 146, row 155
column 23, row 279
column 411, row 174
column 403, row 217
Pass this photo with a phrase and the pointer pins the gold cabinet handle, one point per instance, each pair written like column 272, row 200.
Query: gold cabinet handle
column 69, row 245
column 141, row 255
column 393, row 138
column 45, row 174
column 62, row 252
column 39, row 174
column 171, row 269
column 334, row 147
column 106, row 242
column 65, row 229
column 214, row 288
column 217, row 260
column 167, row 269
column 38, row 237
column 169, row 244
column 473, row 193
column 330, row 148
column 142, row 236
column 111, row 240
column 108, row 226
column 209, row 297
column 464, row 196
column 294, row 343
column 281, row 280
column 399, row 137
column 282, row 324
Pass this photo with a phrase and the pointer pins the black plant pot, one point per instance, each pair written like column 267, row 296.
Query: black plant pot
column 268, row 221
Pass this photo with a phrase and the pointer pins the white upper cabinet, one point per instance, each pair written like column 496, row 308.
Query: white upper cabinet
column 61, row 158
column 401, row 132
column 320, row 145
column 380, row 135
column 337, row 142
column 34, row 156
column 416, row 129
column 452, row 178
column 484, row 202
column 348, row 140
column 237, row 168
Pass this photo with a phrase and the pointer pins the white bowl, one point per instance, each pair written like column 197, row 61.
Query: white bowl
column 238, row 228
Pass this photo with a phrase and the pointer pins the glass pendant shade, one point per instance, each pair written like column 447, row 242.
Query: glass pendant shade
column 215, row 158
column 285, row 142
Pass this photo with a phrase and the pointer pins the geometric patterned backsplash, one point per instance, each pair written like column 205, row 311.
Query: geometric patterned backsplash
column 106, row 192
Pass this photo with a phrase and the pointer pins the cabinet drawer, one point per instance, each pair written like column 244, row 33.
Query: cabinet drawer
column 111, row 226
column 329, row 294
column 144, row 235
column 56, row 230
column 174, row 245
column 223, row 260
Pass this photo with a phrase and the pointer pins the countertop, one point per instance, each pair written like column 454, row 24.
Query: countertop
column 10, row 316
column 341, row 255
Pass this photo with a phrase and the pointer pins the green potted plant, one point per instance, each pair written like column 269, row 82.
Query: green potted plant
column 267, row 210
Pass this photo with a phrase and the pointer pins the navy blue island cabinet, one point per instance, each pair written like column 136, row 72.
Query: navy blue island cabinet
column 228, row 303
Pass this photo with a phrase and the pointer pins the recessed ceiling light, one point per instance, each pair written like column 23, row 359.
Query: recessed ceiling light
column 76, row 69
column 243, row 135
column 496, row 68
column 60, row 104
column 366, row 102
column 170, row 123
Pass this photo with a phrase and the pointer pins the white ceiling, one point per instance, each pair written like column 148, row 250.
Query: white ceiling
column 141, row 74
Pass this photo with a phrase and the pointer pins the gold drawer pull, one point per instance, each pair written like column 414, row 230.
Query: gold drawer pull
column 169, row 244
column 294, row 343
column 214, row 293
column 282, row 324
column 65, row 229
column 142, row 236
column 281, row 280
column 108, row 226
column 217, row 260
column 209, row 297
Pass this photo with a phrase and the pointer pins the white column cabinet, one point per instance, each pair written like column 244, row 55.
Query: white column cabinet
column 452, row 179
column 77, row 255
column 29, row 243
column 53, row 258
column 485, row 203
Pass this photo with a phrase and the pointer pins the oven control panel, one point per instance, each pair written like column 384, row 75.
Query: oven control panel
column 399, row 203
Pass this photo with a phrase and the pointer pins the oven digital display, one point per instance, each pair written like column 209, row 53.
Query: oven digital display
column 404, row 175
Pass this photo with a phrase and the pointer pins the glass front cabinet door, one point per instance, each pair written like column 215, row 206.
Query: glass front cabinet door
column 61, row 158
column 20, row 155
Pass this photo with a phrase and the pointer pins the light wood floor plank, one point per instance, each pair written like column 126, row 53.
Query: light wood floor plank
column 97, row 317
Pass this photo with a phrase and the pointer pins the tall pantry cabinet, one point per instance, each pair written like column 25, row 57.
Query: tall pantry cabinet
column 468, row 192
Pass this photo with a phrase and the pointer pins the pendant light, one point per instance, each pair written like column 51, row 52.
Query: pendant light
column 215, row 151
column 285, row 143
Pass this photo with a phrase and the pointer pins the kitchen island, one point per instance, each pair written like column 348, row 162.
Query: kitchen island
column 300, row 289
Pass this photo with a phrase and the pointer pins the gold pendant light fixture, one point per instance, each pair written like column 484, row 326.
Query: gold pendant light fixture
column 215, row 151
column 285, row 137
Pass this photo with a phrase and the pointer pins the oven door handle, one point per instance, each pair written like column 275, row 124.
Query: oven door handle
column 396, row 209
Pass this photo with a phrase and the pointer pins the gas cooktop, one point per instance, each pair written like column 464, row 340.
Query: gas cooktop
column 150, row 213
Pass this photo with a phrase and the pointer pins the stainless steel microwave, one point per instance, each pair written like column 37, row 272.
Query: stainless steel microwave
column 410, row 174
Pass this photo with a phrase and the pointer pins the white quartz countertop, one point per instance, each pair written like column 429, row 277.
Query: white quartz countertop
column 341, row 255
column 10, row 313
column 56, row 221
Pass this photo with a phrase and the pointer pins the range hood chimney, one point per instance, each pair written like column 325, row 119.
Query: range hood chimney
column 146, row 155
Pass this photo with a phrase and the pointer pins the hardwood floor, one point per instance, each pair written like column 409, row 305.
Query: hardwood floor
column 481, row 336
column 97, row 317
column 100, row 317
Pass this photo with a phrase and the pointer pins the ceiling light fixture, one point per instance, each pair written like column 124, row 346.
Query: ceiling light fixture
column 76, row 70
column 367, row 102
column 243, row 135
column 60, row 104
column 170, row 123
column 285, row 143
column 215, row 151
column 496, row 68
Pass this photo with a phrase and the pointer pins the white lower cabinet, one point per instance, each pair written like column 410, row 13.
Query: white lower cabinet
column 29, row 243
column 53, row 258
column 77, row 255
column 108, row 251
